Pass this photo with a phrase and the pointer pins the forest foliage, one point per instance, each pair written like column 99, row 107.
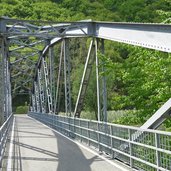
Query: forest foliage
column 138, row 79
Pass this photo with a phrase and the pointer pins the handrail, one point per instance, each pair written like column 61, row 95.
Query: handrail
column 149, row 151
column 4, row 131
column 3, row 125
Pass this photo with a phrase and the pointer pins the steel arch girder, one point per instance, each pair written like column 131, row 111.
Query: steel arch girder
column 152, row 36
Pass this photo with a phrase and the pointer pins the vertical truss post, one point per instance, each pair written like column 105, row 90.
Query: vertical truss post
column 41, row 92
column 7, row 89
column 104, row 89
column 2, row 86
column 59, row 82
column 51, row 73
column 30, row 102
column 9, row 92
column 36, row 92
column 33, row 103
column 67, row 70
column 47, row 85
column 84, row 80
column 97, row 81
column 5, row 86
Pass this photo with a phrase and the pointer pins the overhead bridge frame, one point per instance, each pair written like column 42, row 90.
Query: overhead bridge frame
column 37, row 38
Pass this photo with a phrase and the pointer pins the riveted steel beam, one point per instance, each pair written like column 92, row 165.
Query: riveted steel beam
column 152, row 36
column 67, row 70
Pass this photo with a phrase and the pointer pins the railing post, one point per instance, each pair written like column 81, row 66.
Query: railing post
column 69, row 126
column 74, row 127
column 130, row 147
column 98, row 135
column 80, row 130
column 53, row 121
column 88, row 133
column 111, row 142
column 0, row 149
column 157, row 152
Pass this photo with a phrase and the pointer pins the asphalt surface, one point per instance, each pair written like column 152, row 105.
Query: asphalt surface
column 35, row 147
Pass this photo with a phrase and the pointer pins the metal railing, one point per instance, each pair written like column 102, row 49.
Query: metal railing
column 142, row 149
column 4, row 131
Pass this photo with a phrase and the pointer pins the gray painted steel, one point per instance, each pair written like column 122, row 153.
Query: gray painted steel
column 85, row 79
column 67, row 82
column 153, row 36
column 4, row 132
column 158, row 117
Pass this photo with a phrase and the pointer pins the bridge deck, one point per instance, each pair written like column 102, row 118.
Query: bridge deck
column 38, row 148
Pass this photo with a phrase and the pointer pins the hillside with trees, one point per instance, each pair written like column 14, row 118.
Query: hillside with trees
column 138, row 79
column 72, row 10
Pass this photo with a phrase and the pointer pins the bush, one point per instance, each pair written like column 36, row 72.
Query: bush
column 130, row 117
column 21, row 110
column 88, row 115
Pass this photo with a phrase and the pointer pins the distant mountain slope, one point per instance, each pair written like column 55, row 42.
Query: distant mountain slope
column 108, row 10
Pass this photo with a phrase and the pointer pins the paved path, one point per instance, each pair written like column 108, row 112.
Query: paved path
column 38, row 148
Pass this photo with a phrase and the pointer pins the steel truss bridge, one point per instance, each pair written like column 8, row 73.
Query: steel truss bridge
column 35, row 59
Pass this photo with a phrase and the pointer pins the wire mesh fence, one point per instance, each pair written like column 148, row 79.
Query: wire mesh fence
column 4, row 131
column 147, row 150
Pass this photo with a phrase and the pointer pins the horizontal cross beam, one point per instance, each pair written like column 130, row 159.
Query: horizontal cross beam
column 152, row 36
